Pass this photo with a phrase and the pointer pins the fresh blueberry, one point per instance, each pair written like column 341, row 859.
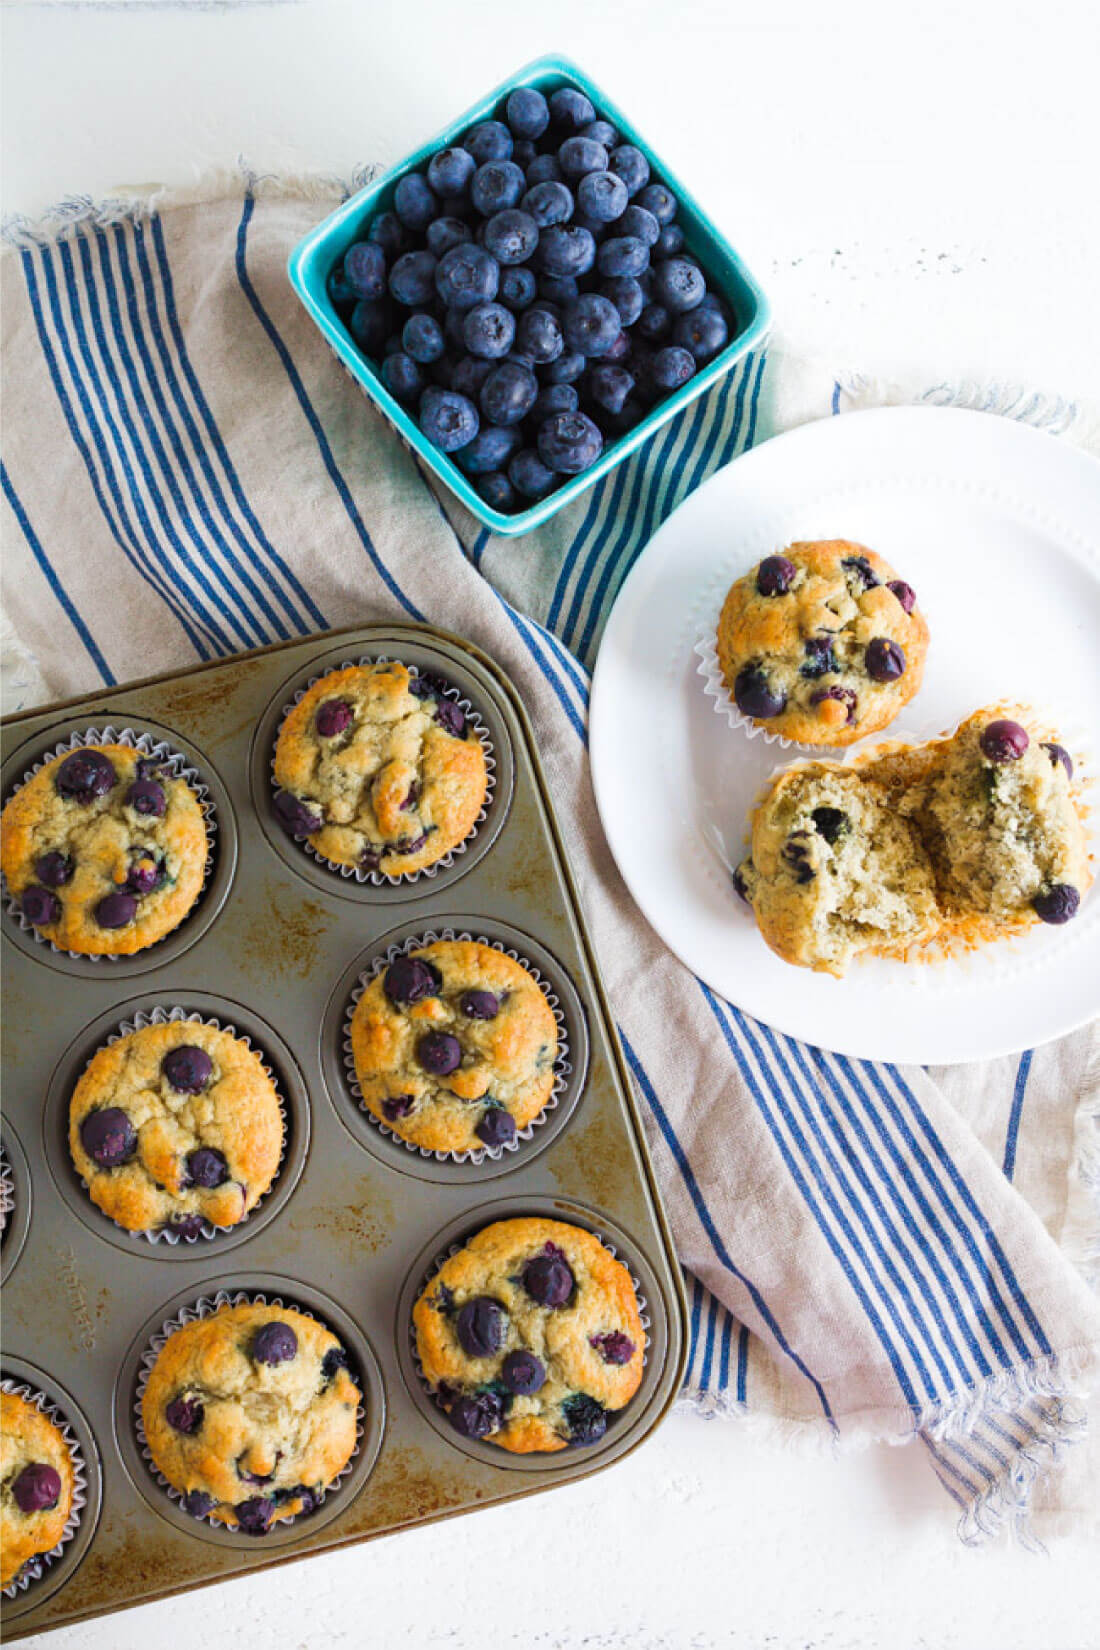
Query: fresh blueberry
column 108, row 1137
column 116, row 910
column 197, row 1503
column 365, row 269
column 775, row 575
column 40, row 908
column 1057, row 753
column 613, row 1348
column 254, row 1515
column 660, row 201
column 402, row 377
column 85, row 775
column 669, row 241
column 37, row 1488
column 529, row 475
column 548, row 204
column 397, row 1105
column 1058, row 905
column 905, row 593
column 579, row 155
column 146, row 872
column 884, row 659
column 601, row 196
column 846, row 696
column 184, row 1414
column 275, row 1343
column 830, row 822
column 298, row 819
column 480, row 1005
column 448, row 420
column 620, row 349
column 862, row 571
column 497, row 491
column 467, row 275
column 491, row 448
column 539, row 335
column 609, row 385
column 481, row 1327
column 569, row 443
column 450, row 171
column 1004, row 741
column 523, row 1373
column 414, row 203
column 601, row 131
column 527, row 112
column 631, row 165
column 654, row 322
column 640, row 224
column 388, row 232
column 488, row 330
column 511, row 236
column 544, row 169
column 54, row 869
column 570, row 110
column 496, row 1127
column 206, row 1167
column 591, row 325
column 586, row 1419
column 555, row 398
column 368, row 325
column 673, row 366
column 497, row 185
column 438, row 1053
column 626, row 295
column 820, row 658
column 413, row 278
column 477, row 1414
column 565, row 370
column 146, row 797
column 755, row 696
column 488, row 141
column 443, row 233
column 508, row 394
column 566, row 249
column 547, row 1277
column 411, row 980
column 338, row 289
column 623, row 255
column 469, row 374
column 703, row 331
column 558, row 289
column 187, row 1068
column 679, row 285
column 422, row 338
column 517, row 287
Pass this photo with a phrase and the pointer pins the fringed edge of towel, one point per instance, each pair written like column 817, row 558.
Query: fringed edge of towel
column 1054, row 414
column 139, row 201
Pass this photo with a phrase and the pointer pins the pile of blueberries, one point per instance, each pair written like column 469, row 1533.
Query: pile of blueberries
column 529, row 296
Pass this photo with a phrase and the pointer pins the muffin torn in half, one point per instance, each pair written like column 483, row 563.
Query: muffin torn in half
column 834, row 870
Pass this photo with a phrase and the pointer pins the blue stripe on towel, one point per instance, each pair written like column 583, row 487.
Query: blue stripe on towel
column 1022, row 1074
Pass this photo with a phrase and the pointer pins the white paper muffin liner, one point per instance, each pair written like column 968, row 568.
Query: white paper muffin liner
column 178, row 767
column 7, row 1189
column 455, row 1248
column 562, row 1064
column 34, row 1567
column 204, row 1307
column 169, row 1016
column 714, row 686
column 379, row 879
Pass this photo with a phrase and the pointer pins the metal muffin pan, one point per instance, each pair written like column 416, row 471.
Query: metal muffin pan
column 274, row 947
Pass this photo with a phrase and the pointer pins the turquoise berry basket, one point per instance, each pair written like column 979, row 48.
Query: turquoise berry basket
column 315, row 256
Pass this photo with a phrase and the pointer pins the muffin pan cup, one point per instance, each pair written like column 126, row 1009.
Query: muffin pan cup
column 275, row 948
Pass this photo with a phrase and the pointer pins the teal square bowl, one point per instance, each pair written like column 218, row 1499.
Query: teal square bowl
column 314, row 257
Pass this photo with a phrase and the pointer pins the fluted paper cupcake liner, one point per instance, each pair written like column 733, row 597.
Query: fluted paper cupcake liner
column 169, row 1016
column 7, row 1189
column 34, row 1567
column 562, row 1064
column 379, row 879
column 204, row 1307
column 179, row 768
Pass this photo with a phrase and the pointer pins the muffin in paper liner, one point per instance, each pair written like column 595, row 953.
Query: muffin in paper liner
column 204, row 1307
column 161, row 1016
column 177, row 765
column 714, row 686
column 432, row 1271
column 562, row 1064
column 379, row 879
column 7, row 1190
column 34, row 1568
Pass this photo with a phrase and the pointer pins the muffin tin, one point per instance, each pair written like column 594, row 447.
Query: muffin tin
column 275, row 947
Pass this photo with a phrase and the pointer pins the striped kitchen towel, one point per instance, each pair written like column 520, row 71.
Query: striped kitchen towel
column 873, row 1253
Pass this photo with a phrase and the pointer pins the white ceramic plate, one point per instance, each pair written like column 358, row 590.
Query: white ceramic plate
column 997, row 527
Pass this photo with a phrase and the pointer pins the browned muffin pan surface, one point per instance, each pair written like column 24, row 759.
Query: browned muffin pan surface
column 354, row 1218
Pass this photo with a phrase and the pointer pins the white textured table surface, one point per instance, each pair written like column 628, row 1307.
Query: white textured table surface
column 917, row 192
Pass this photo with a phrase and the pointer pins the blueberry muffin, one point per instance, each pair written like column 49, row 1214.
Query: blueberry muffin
column 454, row 1046
column 104, row 850
column 176, row 1125
column 834, row 870
column 531, row 1336
column 994, row 805
column 250, row 1414
column 377, row 768
column 822, row 644
column 36, row 1484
